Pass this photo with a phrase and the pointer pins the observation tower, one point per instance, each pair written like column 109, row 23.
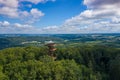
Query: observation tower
column 51, row 48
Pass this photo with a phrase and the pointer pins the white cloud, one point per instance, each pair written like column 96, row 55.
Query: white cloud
column 14, row 25
column 50, row 29
column 101, row 16
column 7, row 11
column 18, row 25
column 116, row 19
column 36, row 13
column 24, row 14
column 11, row 9
column 9, row 3
column 4, row 24
column 32, row 16
column 7, row 27
column 100, row 3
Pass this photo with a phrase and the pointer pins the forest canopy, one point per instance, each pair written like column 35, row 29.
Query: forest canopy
column 72, row 63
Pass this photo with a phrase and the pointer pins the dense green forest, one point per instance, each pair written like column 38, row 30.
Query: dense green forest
column 72, row 63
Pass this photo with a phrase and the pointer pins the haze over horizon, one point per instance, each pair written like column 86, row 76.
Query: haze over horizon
column 59, row 16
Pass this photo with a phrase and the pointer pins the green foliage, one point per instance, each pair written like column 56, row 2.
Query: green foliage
column 72, row 63
column 115, row 69
column 2, row 75
column 37, row 70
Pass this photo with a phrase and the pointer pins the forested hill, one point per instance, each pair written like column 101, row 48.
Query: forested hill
column 17, row 40
column 72, row 63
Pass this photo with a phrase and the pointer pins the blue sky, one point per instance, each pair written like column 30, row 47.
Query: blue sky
column 59, row 16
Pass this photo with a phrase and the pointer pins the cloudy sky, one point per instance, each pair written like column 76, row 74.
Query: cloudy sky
column 59, row 16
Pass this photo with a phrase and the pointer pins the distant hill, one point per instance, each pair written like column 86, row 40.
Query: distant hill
column 17, row 40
